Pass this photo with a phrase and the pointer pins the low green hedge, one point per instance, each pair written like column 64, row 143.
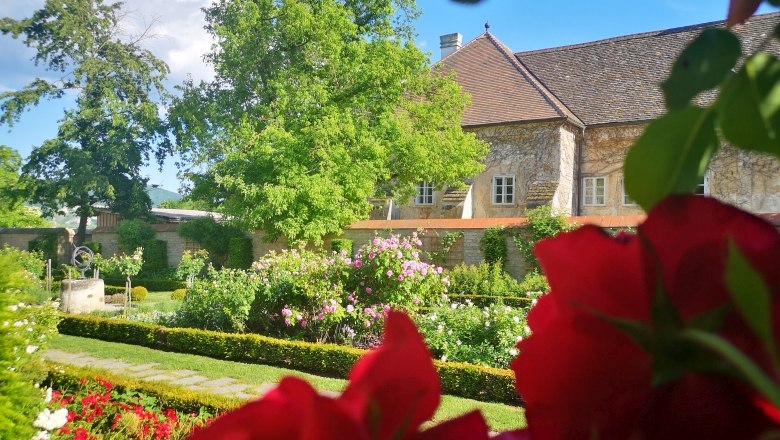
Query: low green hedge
column 457, row 379
column 150, row 284
column 486, row 300
column 168, row 396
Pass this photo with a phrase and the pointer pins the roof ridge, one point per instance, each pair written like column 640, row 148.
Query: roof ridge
column 647, row 34
column 461, row 48
column 538, row 85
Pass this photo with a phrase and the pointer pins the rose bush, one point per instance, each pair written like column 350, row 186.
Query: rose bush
column 610, row 355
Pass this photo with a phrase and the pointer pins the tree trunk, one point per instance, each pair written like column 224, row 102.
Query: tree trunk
column 81, row 232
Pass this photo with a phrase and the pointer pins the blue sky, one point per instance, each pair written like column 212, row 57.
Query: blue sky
column 520, row 24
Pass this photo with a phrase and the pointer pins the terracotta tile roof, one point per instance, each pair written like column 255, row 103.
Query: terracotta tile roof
column 617, row 79
column 540, row 192
column 501, row 88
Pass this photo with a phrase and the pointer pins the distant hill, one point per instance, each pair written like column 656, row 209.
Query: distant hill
column 159, row 195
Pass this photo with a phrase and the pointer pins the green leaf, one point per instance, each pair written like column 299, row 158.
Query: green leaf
column 750, row 294
column 749, row 105
column 747, row 369
column 671, row 156
column 701, row 66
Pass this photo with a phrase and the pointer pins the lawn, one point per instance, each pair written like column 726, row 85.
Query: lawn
column 500, row 417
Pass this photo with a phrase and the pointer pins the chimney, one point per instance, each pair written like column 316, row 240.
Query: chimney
column 450, row 43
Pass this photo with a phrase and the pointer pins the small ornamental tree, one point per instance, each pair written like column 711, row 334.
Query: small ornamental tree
column 192, row 262
column 127, row 265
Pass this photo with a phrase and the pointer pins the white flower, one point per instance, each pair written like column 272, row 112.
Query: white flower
column 31, row 349
column 513, row 351
column 516, row 319
column 444, row 358
column 49, row 391
column 449, row 332
column 13, row 308
column 440, row 328
column 51, row 420
column 487, row 324
column 41, row 435
column 519, row 338
column 458, row 343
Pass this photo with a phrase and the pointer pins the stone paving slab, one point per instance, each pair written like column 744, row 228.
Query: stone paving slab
column 230, row 389
column 183, row 373
column 159, row 378
column 145, row 373
column 139, row 367
column 191, row 380
column 217, row 383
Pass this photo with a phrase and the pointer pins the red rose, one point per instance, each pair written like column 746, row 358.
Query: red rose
column 583, row 375
column 392, row 391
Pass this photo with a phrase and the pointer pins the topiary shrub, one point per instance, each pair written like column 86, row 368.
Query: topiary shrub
column 534, row 281
column 179, row 294
column 139, row 293
column 493, row 246
column 155, row 256
column 240, row 253
column 46, row 245
column 132, row 234
column 212, row 236
column 342, row 244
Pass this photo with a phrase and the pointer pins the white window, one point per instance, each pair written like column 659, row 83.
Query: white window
column 627, row 200
column 424, row 194
column 703, row 188
column 503, row 189
column 594, row 191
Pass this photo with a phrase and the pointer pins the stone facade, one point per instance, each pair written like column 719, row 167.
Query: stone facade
column 21, row 237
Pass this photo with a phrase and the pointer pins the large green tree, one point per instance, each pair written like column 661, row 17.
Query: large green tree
column 108, row 136
column 316, row 106
column 13, row 213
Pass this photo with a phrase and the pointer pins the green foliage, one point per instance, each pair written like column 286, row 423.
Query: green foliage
column 240, row 253
column 518, row 302
column 447, row 241
column 155, row 256
column 345, row 245
column 493, row 246
column 457, row 379
column 13, row 214
column 154, row 285
column 483, row 279
column 132, row 234
column 138, row 293
column 179, row 294
column 542, row 223
column 214, row 237
column 191, row 264
column 27, row 328
column 681, row 144
column 463, row 332
column 31, row 261
column 220, row 301
column 104, row 141
column 95, row 246
column 46, row 245
column 296, row 139
column 187, row 203
column 534, row 281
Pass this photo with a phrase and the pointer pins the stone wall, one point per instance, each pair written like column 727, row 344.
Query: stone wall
column 165, row 231
column 21, row 237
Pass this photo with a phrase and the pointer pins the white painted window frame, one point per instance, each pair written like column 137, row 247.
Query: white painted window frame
column 591, row 183
column 507, row 198
column 626, row 199
column 424, row 194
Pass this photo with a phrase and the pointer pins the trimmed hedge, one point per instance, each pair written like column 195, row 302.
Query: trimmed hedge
column 138, row 293
column 457, row 379
column 155, row 256
column 240, row 253
column 487, row 300
column 150, row 284
column 168, row 396
column 179, row 294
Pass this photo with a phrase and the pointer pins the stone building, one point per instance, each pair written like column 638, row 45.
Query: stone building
column 561, row 120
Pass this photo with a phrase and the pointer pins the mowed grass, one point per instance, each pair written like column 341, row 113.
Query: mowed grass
column 499, row 417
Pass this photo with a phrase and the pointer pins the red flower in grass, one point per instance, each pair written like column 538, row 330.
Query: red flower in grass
column 606, row 359
column 392, row 390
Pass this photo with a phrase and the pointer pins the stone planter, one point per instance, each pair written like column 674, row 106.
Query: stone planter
column 82, row 296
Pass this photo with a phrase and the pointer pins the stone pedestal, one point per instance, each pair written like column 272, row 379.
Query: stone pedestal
column 82, row 296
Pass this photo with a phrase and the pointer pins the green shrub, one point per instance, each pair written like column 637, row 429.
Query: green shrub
column 338, row 245
column 46, row 246
column 179, row 294
column 240, row 253
column 220, row 301
column 115, row 298
column 458, row 379
column 155, row 257
column 464, row 332
column 493, row 246
column 542, row 223
column 132, row 234
column 214, row 237
column 95, row 246
column 111, row 290
column 522, row 302
column 482, row 279
column 534, row 281
column 138, row 293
